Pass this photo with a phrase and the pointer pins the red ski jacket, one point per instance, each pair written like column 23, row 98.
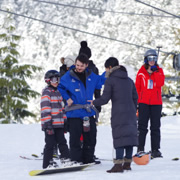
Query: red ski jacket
column 149, row 86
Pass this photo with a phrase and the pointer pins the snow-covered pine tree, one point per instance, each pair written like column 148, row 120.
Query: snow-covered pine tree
column 14, row 89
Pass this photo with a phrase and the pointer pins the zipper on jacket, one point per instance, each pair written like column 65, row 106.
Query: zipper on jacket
column 149, row 79
column 150, row 76
column 80, row 90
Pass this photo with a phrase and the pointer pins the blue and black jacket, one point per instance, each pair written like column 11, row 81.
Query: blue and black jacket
column 72, row 87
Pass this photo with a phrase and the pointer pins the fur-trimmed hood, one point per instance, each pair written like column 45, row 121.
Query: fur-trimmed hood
column 117, row 71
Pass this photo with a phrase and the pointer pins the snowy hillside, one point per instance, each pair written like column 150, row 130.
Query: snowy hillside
column 27, row 139
column 43, row 44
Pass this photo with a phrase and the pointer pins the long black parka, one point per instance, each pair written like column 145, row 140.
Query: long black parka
column 122, row 92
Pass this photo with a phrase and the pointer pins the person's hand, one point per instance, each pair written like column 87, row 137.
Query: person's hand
column 69, row 102
column 91, row 101
column 50, row 131
column 154, row 68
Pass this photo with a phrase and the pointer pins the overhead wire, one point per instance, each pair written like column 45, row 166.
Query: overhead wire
column 81, row 31
column 158, row 9
column 100, row 10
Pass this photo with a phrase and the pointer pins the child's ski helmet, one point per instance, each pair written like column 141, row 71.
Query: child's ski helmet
column 50, row 74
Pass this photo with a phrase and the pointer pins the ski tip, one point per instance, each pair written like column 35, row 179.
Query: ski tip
column 35, row 155
column 175, row 159
column 35, row 172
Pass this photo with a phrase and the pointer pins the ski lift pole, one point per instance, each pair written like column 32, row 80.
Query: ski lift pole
column 158, row 47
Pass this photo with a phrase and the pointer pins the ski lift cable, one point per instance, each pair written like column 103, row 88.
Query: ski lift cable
column 81, row 31
column 158, row 9
column 101, row 10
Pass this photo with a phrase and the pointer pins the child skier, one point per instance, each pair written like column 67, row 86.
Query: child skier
column 52, row 120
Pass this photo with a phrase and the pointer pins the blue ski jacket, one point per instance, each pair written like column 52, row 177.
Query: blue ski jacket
column 72, row 87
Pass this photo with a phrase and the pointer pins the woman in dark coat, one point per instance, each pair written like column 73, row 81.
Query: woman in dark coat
column 122, row 92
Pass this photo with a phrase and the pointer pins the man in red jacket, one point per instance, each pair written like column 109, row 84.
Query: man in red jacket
column 149, row 81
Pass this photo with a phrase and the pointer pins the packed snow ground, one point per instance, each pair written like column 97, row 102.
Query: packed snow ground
column 16, row 139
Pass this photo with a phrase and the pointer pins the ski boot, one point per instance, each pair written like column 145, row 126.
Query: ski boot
column 52, row 165
column 156, row 154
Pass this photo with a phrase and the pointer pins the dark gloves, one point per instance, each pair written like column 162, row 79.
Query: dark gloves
column 98, row 108
column 154, row 68
column 50, row 131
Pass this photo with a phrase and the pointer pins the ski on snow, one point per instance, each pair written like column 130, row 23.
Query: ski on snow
column 59, row 170
column 31, row 158
column 36, row 157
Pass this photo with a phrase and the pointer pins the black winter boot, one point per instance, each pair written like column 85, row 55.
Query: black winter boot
column 117, row 166
column 156, row 154
column 127, row 164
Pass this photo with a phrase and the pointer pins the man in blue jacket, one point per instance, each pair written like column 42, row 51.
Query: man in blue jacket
column 76, row 87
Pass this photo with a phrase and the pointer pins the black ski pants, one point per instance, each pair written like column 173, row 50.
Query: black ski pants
column 82, row 153
column 152, row 113
column 57, row 138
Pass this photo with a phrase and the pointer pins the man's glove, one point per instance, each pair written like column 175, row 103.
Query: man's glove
column 154, row 68
column 50, row 131
column 98, row 108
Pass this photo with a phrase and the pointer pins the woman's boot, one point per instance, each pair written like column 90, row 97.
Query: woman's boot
column 117, row 166
column 127, row 164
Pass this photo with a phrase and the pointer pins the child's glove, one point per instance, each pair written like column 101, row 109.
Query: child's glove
column 50, row 131
column 154, row 68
